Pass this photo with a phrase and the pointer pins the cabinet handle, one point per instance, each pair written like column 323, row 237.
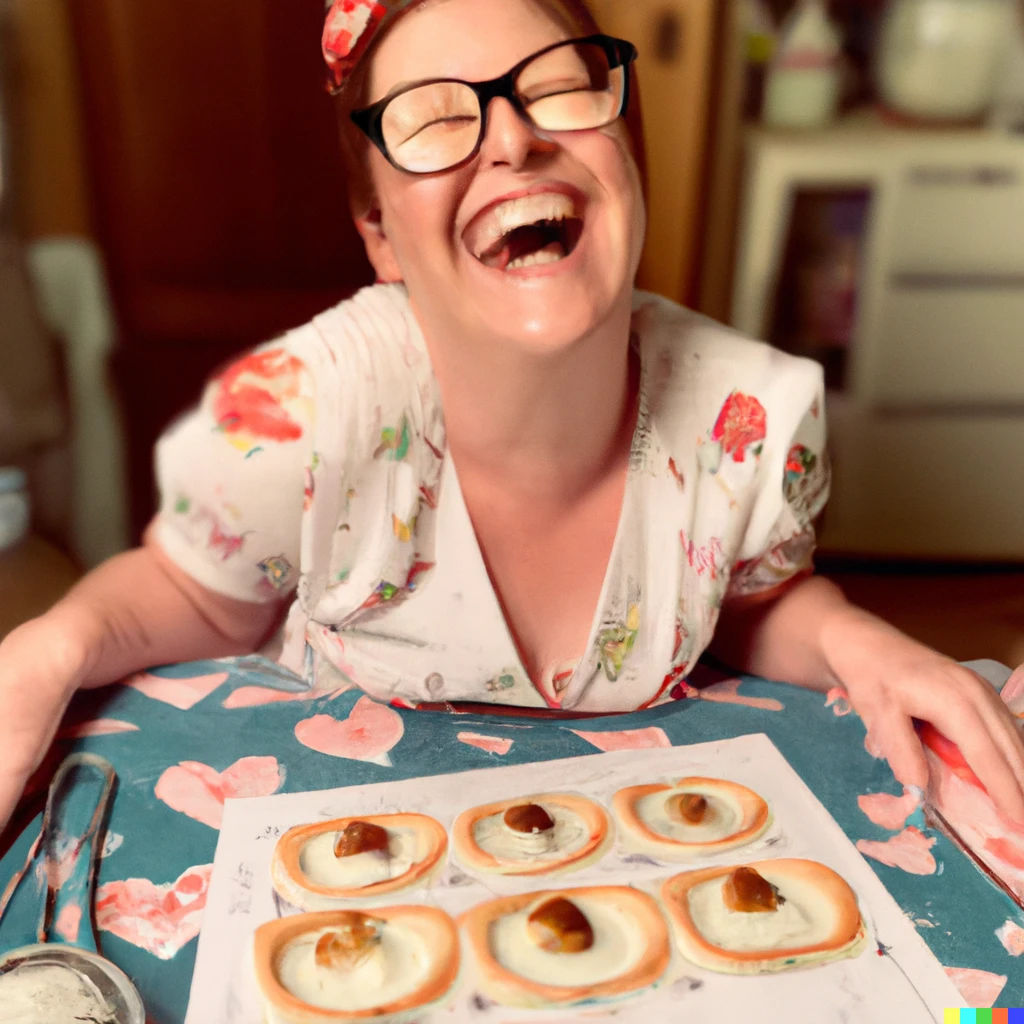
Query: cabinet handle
column 668, row 36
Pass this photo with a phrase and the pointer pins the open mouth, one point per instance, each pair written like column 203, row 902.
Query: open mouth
column 526, row 232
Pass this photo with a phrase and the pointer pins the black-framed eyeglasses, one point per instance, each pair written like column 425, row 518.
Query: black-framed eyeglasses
column 435, row 125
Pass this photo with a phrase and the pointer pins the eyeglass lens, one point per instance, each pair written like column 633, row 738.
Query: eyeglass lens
column 438, row 125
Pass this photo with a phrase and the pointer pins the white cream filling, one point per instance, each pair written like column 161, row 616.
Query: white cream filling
column 51, row 994
column 397, row 967
column 805, row 919
column 724, row 817
column 569, row 835
column 619, row 944
column 322, row 867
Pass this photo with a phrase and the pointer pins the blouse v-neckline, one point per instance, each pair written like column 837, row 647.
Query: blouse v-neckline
column 483, row 584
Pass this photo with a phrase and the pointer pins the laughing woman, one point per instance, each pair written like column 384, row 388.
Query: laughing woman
column 501, row 474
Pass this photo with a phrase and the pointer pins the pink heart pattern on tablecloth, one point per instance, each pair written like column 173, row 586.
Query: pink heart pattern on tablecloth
column 368, row 734
column 728, row 692
column 626, row 739
column 199, row 791
column 500, row 745
column 182, row 694
column 1011, row 935
column 889, row 811
column 911, row 851
column 260, row 696
column 160, row 919
column 96, row 727
column 979, row 988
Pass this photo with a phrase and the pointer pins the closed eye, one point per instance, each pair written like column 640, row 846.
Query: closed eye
column 455, row 121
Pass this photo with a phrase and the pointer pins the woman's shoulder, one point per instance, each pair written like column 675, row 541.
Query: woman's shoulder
column 375, row 320
column 370, row 344
column 692, row 351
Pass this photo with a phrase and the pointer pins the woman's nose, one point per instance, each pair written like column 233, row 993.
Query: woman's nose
column 511, row 139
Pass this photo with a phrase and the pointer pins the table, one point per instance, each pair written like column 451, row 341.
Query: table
column 176, row 737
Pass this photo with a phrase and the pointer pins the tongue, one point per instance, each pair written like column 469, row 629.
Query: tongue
column 519, row 243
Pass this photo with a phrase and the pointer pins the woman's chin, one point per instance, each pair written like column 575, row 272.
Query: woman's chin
column 542, row 326
column 548, row 308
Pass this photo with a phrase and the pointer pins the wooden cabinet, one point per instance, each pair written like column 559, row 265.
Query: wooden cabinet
column 676, row 40
column 218, row 190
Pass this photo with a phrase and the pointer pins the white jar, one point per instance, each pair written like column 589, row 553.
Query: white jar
column 941, row 60
column 14, row 507
column 804, row 78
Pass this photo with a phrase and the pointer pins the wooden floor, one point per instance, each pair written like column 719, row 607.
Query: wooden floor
column 965, row 612
column 32, row 577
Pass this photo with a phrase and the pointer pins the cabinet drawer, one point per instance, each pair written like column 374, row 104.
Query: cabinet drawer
column 930, row 487
column 962, row 218
column 949, row 346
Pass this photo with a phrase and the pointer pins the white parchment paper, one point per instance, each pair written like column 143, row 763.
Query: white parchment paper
column 896, row 979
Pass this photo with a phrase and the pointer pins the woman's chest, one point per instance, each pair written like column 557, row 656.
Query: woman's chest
column 434, row 589
column 547, row 563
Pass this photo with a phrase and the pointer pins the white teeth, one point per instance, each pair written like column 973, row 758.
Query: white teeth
column 535, row 259
column 551, row 206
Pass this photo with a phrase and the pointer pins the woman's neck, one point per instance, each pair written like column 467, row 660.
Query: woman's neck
column 546, row 426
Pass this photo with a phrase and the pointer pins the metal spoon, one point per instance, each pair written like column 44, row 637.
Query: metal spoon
column 64, row 970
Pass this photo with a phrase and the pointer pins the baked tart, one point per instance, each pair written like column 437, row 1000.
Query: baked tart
column 557, row 949
column 329, row 864
column 773, row 915
column 694, row 817
column 387, row 964
column 534, row 835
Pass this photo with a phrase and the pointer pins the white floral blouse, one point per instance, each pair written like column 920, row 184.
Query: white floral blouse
column 316, row 467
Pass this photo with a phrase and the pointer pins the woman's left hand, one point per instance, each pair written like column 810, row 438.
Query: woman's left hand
column 892, row 680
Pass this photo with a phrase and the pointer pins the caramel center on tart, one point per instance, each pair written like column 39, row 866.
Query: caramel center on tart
column 529, row 818
column 559, row 926
column 350, row 944
column 747, row 892
column 361, row 837
column 687, row 808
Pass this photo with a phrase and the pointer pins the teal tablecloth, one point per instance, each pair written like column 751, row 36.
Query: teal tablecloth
column 153, row 843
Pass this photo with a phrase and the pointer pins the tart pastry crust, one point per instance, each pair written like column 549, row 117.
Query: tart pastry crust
column 594, row 819
column 436, row 929
column 843, row 935
column 511, row 988
column 684, row 841
column 294, row 885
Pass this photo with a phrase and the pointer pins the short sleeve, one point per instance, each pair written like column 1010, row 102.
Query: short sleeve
column 795, row 479
column 232, row 476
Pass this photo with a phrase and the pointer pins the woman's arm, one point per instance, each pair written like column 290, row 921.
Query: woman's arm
column 811, row 636
column 134, row 611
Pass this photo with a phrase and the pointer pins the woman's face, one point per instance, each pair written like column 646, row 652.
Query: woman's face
column 433, row 229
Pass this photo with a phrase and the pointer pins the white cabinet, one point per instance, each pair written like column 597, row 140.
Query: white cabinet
column 928, row 426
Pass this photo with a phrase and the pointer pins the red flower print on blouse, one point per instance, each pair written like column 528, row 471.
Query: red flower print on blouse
column 253, row 399
column 741, row 424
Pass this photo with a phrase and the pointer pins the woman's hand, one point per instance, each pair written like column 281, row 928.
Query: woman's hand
column 41, row 665
column 809, row 635
column 892, row 680
column 134, row 611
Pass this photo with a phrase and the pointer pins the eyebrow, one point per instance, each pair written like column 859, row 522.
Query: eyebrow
column 410, row 83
